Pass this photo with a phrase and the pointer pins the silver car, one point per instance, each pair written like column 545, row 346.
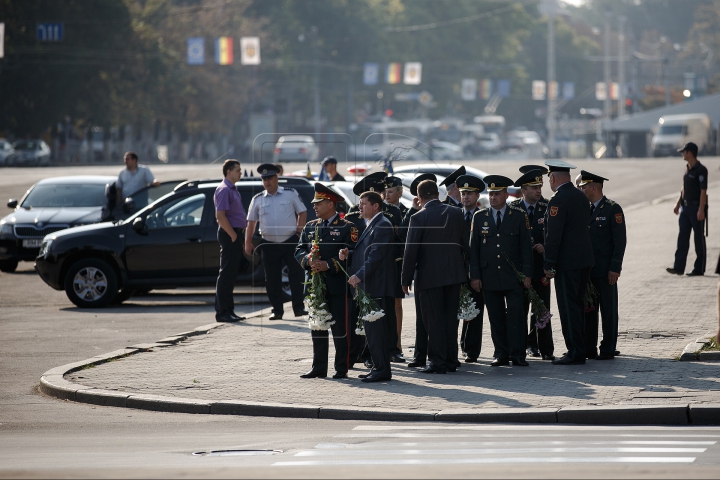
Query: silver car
column 6, row 149
column 296, row 148
column 30, row 153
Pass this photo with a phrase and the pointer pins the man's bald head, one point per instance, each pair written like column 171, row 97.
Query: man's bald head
column 558, row 178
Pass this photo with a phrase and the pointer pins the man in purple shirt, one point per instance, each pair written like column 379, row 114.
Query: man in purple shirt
column 232, row 221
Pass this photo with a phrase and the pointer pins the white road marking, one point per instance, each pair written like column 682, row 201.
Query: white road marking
column 498, row 451
column 460, row 461
column 499, row 444
column 494, row 435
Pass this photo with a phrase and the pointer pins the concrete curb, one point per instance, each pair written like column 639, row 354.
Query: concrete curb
column 53, row 383
column 693, row 352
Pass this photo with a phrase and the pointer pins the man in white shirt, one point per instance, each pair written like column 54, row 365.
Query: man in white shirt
column 135, row 177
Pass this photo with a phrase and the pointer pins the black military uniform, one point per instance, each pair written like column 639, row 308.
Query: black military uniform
column 337, row 177
column 609, row 238
column 449, row 180
column 334, row 234
column 471, row 334
column 497, row 237
column 568, row 253
column 539, row 341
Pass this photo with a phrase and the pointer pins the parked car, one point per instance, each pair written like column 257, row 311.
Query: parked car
column 6, row 149
column 489, row 143
column 170, row 243
column 446, row 169
column 296, row 148
column 30, row 153
column 54, row 204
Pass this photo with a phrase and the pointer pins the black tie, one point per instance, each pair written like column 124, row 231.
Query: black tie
column 468, row 219
column 324, row 223
column 531, row 211
column 592, row 209
column 499, row 220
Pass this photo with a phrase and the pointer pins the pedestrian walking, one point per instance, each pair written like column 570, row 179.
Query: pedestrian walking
column 609, row 238
column 501, row 240
column 232, row 222
column 691, row 207
column 568, row 257
column 332, row 233
column 281, row 214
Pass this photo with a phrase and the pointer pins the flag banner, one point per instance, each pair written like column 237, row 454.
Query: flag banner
column 469, row 89
column 538, row 89
column 371, row 72
column 224, row 50
column 568, row 90
column 485, row 89
column 2, row 39
column 614, row 91
column 392, row 74
column 413, row 73
column 196, row 51
column 503, row 88
column 553, row 90
column 250, row 51
column 600, row 91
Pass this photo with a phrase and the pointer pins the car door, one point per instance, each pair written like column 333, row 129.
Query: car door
column 171, row 245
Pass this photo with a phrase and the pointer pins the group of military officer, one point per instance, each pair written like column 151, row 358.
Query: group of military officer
column 576, row 237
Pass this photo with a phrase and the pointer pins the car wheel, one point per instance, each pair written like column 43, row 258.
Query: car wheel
column 91, row 283
column 8, row 265
column 286, row 292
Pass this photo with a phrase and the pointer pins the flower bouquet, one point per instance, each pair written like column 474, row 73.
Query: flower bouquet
column 538, row 308
column 591, row 297
column 318, row 317
column 368, row 309
column 468, row 309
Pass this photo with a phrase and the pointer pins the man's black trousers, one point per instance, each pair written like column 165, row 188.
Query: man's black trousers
column 339, row 308
column 230, row 257
column 378, row 342
column 471, row 337
column 439, row 311
column 570, row 292
column 608, row 306
column 508, row 326
column 689, row 223
column 273, row 255
column 540, row 338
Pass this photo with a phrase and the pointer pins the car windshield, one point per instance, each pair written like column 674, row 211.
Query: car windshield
column 26, row 145
column 672, row 130
column 65, row 195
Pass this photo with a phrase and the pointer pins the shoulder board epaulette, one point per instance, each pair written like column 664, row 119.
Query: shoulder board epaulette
column 340, row 221
column 482, row 210
column 515, row 207
column 289, row 189
column 610, row 202
column 516, row 202
column 543, row 202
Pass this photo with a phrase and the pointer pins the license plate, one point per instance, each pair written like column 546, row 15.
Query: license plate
column 32, row 243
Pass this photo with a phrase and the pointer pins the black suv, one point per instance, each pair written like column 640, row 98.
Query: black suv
column 168, row 244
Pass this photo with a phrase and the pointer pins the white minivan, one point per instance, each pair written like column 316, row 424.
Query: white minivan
column 674, row 131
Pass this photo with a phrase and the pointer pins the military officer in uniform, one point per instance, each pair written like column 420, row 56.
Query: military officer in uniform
column 568, row 257
column 501, row 236
column 334, row 233
column 471, row 336
column 609, row 238
column 540, row 341
column 453, row 194
column 330, row 166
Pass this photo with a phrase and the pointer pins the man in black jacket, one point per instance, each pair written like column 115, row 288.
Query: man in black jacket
column 453, row 194
column 434, row 259
column 609, row 238
column 568, row 257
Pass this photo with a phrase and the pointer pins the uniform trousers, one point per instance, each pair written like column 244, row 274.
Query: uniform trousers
column 421, row 336
column 378, row 342
column 471, row 336
column 608, row 305
column 273, row 255
column 230, row 256
column 439, row 312
column 540, row 338
column 338, row 308
column 689, row 223
column 570, row 292
column 507, row 322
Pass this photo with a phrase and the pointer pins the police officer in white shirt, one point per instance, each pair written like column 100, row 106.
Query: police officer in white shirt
column 282, row 216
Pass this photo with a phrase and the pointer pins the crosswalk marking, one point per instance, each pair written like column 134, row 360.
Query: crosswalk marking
column 514, row 444
column 503, row 451
column 489, row 435
column 459, row 461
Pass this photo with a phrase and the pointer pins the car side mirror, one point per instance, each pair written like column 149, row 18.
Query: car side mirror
column 12, row 203
column 139, row 226
column 129, row 205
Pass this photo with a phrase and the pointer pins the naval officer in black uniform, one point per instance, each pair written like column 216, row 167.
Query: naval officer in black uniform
column 609, row 238
column 334, row 234
column 568, row 257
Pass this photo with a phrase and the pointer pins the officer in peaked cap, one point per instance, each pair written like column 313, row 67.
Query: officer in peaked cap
column 471, row 335
column 568, row 256
column 420, row 178
column 609, row 238
column 330, row 166
column 268, row 170
column 526, row 168
column 453, row 194
column 540, row 341
column 500, row 240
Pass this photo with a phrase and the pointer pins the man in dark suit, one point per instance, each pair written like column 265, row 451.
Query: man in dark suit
column 609, row 238
column 471, row 337
column 453, row 194
column 436, row 240
column 540, row 341
column 568, row 257
column 334, row 234
column 373, row 270
column 501, row 237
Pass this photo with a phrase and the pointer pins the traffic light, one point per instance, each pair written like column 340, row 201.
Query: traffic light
column 388, row 113
column 628, row 102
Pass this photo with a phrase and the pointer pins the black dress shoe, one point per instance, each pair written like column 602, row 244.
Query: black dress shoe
column 375, row 378
column 313, row 374
column 236, row 318
column 416, row 363
column 568, row 361
column 339, row 375
column 591, row 356
column 695, row 274
column 363, row 375
column 605, row 357
column 275, row 316
column 227, row 318
column 368, row 364
column 500, row 362
column 533, row 352
column 431, row 369
column 519, row 362
column 616, row 353
column 470, row 359
column 548, row 357
column 673, row 271
column 397, row 359
column 301, row 313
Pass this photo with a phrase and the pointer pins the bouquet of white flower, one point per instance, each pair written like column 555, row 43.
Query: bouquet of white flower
column 468, row 309
column 537, row 306
column 368, row 309
column 318, row 317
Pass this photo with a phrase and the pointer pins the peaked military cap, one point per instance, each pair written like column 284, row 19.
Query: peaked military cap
column 267, row 170
column 497, row 183
column 587, row 177
column 559, row 166
column 532, row 178
column 326, row 193
column 527, row 168
column 470, row 183
column 450, row 179
column 375, row 182
column 393, row 182
column 420, row 178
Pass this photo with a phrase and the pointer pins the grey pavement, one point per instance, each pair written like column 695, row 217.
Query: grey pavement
column 259, row 361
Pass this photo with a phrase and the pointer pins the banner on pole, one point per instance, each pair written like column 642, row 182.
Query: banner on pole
column 2, row 39
column 503, row 88
column 392, row 73
column 568, row 90
column 250, row 51
column 600, row 91
column 224, row 50
column 553, row 90
column 196, row 51
column 413, row 73
column 469, row 89
column 538, row 89
column 371, row 72
column 614, row 91
column 485, row 89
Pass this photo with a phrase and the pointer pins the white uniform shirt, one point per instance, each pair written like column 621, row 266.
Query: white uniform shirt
column 276, row 214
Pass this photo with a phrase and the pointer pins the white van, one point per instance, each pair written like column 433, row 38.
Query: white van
column 674, row 131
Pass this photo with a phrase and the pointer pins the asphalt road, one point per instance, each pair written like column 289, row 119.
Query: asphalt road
column 42, row 436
